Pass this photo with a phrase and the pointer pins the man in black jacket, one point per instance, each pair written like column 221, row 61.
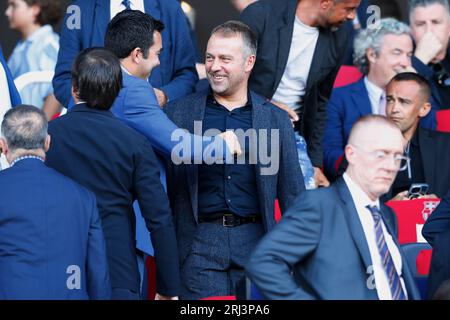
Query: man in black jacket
column 118, row 164
column 407, row 96
column 300, row 50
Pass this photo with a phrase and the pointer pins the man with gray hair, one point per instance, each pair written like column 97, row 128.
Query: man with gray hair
column 51, row 239
column 379, row 53
column 430, row 26
column 222, row 210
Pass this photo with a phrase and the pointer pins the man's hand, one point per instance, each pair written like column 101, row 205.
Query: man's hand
column 428, row 48
column 320, row 179
column 292, row 114
column 161, row 297
column 401, row 196
column 161, row 96
column 232, row 142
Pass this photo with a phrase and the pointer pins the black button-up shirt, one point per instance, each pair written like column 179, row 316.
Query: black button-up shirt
column 225, row 188
column 404, row 180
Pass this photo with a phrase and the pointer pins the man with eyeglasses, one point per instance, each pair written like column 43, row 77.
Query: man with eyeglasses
column 407, row 96
column 333, row 238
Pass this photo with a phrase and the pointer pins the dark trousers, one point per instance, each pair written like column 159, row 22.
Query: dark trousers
column 217, row 258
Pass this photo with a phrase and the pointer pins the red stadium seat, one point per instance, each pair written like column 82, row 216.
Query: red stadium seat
column 347, row 75
column 411, row 215
column 443, row 120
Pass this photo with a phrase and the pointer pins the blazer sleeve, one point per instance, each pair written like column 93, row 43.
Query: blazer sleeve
column 334, row 140
column 315, row 150
column 98, row 281
column 438, row 221
column 156, row 211
column 254, row 17
column 290, row 178
column 141, row 111
column 292, row 240
column 184, row 74
column 69, row 47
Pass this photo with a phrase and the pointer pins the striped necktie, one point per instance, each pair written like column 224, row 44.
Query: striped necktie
column 127, row 4
column 394, row 280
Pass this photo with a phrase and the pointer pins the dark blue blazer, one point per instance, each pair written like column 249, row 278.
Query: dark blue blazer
column 182, row 180
column 13, row 93
column 176, row 75
column 437, row 232
column 50, row 234
column 118, row 164
column 322, row 241
column 347, row 104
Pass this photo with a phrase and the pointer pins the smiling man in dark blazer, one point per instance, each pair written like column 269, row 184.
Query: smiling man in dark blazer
column 300, row 51
column 340, row 242
column 222, row 210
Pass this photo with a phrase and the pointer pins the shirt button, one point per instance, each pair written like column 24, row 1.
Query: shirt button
column 229, row 177
column 229, row 200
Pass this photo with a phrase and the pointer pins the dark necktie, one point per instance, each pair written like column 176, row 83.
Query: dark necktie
column 394, row 280
column 127, row 4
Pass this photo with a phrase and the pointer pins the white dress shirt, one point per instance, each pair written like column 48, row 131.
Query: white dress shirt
column 361, row 200
column 291, row 89
column 116, row 6
column 375, row 94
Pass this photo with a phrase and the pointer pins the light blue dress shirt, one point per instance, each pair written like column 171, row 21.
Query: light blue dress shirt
column 37, row 53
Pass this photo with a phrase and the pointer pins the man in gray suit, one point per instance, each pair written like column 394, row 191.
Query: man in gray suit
column 222, row 210
column 340, row 242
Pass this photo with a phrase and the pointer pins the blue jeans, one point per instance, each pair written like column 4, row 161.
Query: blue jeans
column 305, row 162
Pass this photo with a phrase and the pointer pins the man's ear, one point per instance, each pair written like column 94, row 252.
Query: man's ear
column 424, row 109
column 47, row 143
column 3, row 145
column 349, row 153
column 371, row 55
column 326, row 4
column 135, row 55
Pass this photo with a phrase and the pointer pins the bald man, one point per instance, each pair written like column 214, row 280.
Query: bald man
column 333, row 238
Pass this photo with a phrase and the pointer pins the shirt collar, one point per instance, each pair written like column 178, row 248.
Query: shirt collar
column 373, row 90
column 26, row 157
column 360, row 198
column 210, row 98
column 36, row 36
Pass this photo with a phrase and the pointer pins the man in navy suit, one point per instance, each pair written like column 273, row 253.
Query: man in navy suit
column 330, row 243
column 437, row 232
column 118, row 164
column 379, row 54
column 85, row 24
column 51, row 238
column 222, row 210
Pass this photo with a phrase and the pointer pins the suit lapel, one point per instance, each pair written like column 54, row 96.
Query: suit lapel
column 102, row 16
column 261, row 120
column 192, row 170
column 354, row 223
column 319, row 58
column 360, row 97
column 285, row 33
